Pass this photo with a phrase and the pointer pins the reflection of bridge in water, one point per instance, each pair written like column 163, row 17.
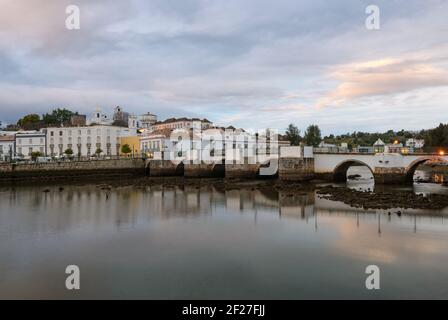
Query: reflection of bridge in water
column 193, row 201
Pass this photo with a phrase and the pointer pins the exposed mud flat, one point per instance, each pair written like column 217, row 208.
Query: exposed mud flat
column 383, row 200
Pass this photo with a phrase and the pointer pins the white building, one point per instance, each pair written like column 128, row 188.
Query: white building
column 85, row 141
column 181, row 123
column 233, row 144
column 30, row 141
column 155, row 142
column 415, row 143
column 99, row 118
column 7, row 147
column 147, row 120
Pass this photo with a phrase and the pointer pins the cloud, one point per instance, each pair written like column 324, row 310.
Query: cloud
column 235, row 62
column 383, row 77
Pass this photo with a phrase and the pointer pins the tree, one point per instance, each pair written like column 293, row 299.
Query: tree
column 35, row 155
column 68, row 152
column 98, row 151
column 437, row 137
column 313, row 135
column 293, row 135
column 29, row 121
column 58, row 116
column 126, row 149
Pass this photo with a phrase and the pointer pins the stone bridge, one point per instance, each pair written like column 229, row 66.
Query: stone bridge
column 387, row 168
column 301, row 164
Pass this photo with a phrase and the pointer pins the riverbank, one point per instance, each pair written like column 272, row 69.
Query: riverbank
column 370, row 199
column 383, row 200
column 71, row 170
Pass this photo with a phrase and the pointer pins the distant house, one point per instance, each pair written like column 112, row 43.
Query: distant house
column 7, row 146
column 364, row 149
column 415, row 144
column 332, row 148
column 78, row 120
column 394, row 148
column 181, row 123
column 378, row 146
column 27, row 142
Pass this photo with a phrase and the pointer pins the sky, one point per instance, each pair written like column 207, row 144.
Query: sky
column 247, row 63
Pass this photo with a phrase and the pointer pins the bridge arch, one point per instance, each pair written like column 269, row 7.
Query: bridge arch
column 410, row 169
column 340, row 171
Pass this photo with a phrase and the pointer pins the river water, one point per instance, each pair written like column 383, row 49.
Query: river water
column 188, row 243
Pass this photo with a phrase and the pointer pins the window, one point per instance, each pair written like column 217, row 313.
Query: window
column 69, row 132
column 79, row 132
column 41, row 140
column 60, row 133
column 30, row 141
column 42, row 150
column 19, row 150
column 88, row 132
column 30, row 151
column 19, row 141
column 1, row 149
column 52, row 133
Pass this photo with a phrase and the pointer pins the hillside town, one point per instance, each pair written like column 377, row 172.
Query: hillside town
column 100, row 135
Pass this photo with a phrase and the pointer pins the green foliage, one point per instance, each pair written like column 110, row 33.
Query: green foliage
column 98, row 151
column 58, row 116
column 68, row 152
column 35, row 155
column 293, row 135
column 126, row 149
column 437, row 137
column 28, row 121
column 312, row 135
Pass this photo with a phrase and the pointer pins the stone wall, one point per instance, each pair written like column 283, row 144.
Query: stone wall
column 72, row 169
column 296, row 169
column 390, row 175
column 164, row 168
column 204, row 170
column 247, row 171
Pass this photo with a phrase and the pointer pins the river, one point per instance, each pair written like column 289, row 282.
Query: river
column 155, row 242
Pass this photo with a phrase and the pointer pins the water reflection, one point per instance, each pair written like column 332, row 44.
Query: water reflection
column 204, row 242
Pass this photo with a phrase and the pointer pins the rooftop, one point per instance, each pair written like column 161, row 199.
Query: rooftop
column 7, row 138
column 171, row 120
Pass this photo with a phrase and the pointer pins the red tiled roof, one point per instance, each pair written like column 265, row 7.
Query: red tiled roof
column 7, row 138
